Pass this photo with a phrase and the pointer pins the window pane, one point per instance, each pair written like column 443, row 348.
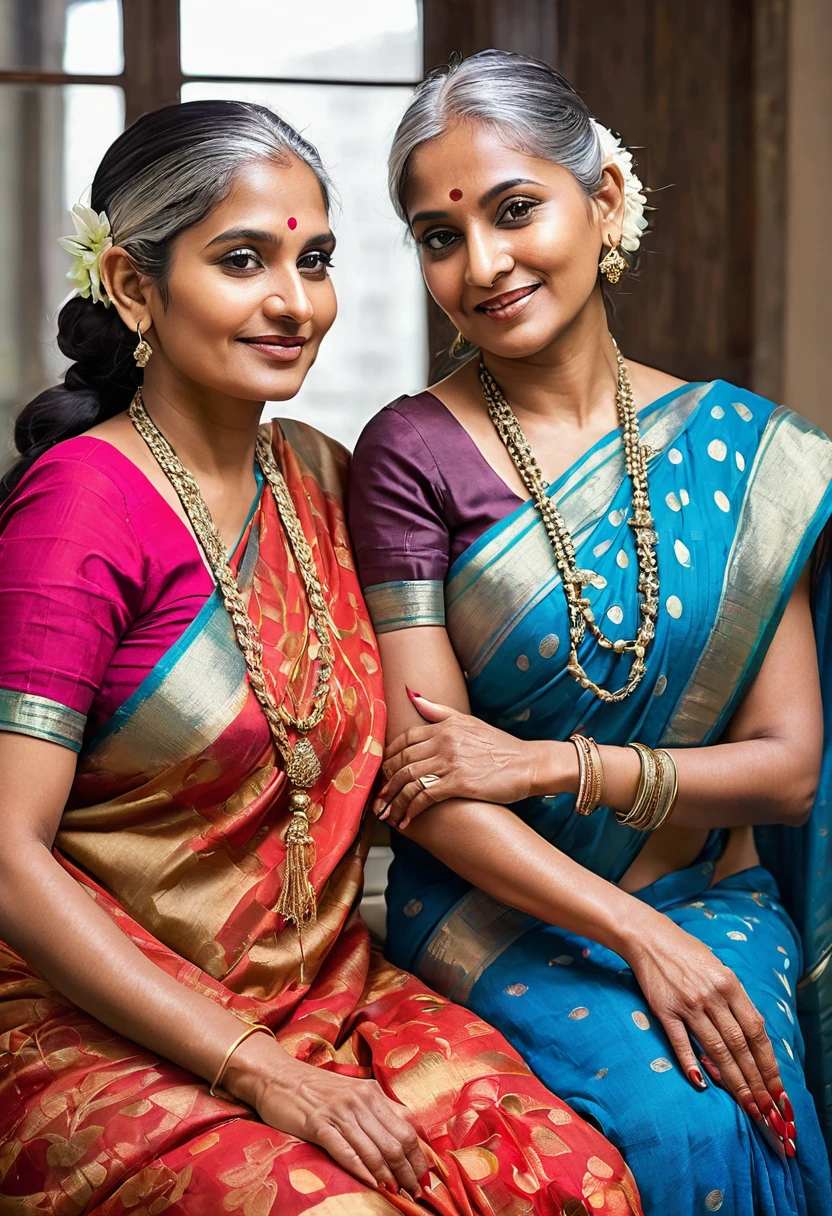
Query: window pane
column 82, row 37
column 303, row 38
column 376, row 348
column 51, row 140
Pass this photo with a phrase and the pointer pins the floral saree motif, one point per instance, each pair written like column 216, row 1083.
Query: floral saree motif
column 175, row 828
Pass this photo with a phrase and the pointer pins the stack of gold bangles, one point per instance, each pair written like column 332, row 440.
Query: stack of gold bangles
column 658, row 784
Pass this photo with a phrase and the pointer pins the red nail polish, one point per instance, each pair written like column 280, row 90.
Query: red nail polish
column 711, row 1069
column 410, row 693
column 791, row 1148
column 778, row 1123
column 785, row 1106
column 697, row 1078
column 772, row 1139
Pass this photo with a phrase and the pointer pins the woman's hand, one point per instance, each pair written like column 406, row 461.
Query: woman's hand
column 470, row 759
column 363, row 1130
column 695, row 996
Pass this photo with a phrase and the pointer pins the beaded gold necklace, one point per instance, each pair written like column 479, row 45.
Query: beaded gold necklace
column 297, row 901
column 581, row 616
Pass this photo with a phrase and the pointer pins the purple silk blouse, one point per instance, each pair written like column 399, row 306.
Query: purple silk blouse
column 421, row 493
column 98, row 578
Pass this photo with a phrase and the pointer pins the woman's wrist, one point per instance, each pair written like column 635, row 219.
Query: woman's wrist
column 553, row 768
column 254, row 1065
column 630, row 926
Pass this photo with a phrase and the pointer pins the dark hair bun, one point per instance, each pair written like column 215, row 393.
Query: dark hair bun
column 99, row 384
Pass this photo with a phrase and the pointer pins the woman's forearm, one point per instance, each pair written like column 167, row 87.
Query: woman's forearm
column 754, row 781
column 78, row 949
column 496, row 851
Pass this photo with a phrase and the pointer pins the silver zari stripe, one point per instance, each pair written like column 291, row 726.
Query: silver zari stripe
column 404, row 604
column 23, row 713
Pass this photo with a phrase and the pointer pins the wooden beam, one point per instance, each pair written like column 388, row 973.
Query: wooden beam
column 152, row 68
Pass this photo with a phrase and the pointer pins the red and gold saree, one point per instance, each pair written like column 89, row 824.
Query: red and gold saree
column 175, row 828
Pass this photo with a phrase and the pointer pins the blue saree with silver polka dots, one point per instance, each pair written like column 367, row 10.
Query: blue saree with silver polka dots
column 740, row 491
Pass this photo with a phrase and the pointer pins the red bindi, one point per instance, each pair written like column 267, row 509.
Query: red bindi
column 292, row 222
column 455, row 195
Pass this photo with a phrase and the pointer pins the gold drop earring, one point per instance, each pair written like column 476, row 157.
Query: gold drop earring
column 613, row 265
column 143, row 350
column 458, row 346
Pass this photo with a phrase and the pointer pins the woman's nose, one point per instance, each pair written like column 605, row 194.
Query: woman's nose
column 290, row 300
column 487, row 261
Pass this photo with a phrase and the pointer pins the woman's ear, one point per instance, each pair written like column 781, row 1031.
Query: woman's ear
column 609, row 204
column 127, row 288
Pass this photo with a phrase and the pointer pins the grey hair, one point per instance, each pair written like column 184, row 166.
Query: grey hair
column 174, row 166
column 534, row 105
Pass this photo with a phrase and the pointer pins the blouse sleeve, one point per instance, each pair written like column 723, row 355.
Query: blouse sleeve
column 71, row 579
column 396, row 517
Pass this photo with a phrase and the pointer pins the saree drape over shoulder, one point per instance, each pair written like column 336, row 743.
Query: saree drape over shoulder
column 740, row 491
column 175, row 829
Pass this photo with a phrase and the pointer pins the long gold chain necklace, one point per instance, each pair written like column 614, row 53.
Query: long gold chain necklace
column 581, row 616
column 297, row 901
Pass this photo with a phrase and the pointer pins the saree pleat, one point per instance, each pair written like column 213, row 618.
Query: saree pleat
column 175, row 829
column 741, row 492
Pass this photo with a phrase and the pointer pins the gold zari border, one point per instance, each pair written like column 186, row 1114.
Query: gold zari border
column 785, row 489
column 23, row 713
column 404, row 604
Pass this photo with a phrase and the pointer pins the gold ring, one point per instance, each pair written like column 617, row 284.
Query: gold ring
column 428, row 780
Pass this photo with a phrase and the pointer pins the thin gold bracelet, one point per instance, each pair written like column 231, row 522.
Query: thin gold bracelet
column 250, row 1030
column 591, row 775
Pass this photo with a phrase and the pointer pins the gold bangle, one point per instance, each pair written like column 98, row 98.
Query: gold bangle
column 590, row 775
column 250, row 1030
column 657, row 790
column 670, row 789
column 636, row 818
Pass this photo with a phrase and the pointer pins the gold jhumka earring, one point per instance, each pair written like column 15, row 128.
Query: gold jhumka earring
column 613, row 265
column 458, row 346
column 143, row 350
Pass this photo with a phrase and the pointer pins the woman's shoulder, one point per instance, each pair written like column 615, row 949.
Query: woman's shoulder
column 762, row 415
column 83, row 469
column 412, row 427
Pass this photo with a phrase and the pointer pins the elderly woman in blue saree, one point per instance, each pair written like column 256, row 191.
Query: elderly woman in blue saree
column 568, row 553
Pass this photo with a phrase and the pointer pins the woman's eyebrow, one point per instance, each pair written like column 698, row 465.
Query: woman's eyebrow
column 244, row 234
column 493, row 193
column 428, row 215
column 324, row 238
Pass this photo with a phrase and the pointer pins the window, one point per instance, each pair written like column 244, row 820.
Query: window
column 70, row 77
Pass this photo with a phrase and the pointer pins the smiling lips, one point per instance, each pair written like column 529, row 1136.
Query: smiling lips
column 510, row 304
column 275, row 346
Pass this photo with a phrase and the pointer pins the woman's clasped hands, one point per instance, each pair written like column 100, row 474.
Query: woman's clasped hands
column 704, row 1009
column 363, row 1130
column 469, row 758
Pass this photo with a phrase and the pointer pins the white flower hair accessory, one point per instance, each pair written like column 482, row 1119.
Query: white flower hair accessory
column 92, row 237
column 635, row 201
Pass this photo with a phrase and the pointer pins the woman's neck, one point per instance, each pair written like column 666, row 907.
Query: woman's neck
column 571, row 379
column 213, row 435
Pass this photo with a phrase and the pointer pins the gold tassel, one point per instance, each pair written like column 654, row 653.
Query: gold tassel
column 297, row 899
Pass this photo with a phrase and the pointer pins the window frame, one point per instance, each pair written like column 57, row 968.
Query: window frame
column 153, row 75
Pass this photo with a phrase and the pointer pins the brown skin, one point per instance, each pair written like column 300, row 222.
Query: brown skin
column 205, row 389
column 555, row 363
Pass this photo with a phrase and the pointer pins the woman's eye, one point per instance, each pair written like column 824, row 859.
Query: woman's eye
column 319, row 261
column 521, row 209
column 241, row 259
column 439, row 240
